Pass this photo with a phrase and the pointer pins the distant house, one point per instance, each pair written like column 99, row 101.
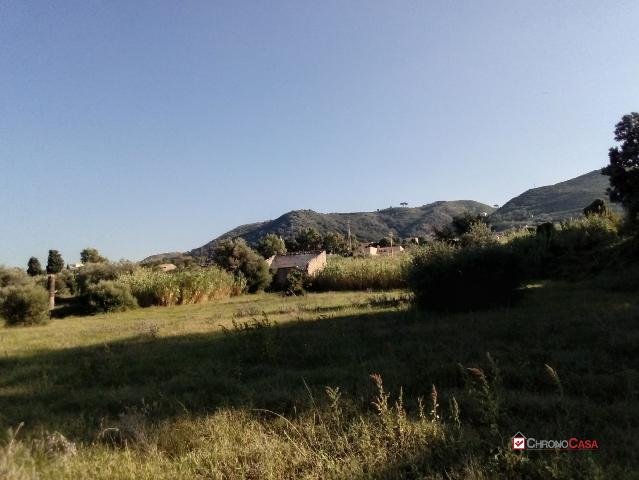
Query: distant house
column 370, row 250
column 366, row 250
column 75, row 266
column 308, row 262
column 167, row 267
column 390, row 250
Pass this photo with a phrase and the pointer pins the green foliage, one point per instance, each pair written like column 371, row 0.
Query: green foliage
column 384, row 242
column 65, row 283
column 34, row 268
column 297, row 282
column 478, row 234
column 152, row 287
column 25, row 305
column 462, row 224
column 573, row 249
column 91, row 255
column 110, row 296
column 13, row 277
column 93, row 273
column 623, row 170
column 366, row 226
column 335, row 243
column 447, row 278
column 237, row 257
column 552, row 203
column 362, row 273
column 309, row 239
column 270, row 245
column 597, row 207
column 55, row 262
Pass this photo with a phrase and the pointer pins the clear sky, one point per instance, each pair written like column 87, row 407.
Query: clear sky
column 140, row 127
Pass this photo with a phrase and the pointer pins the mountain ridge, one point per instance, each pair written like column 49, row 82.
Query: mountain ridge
column 365, row 226
column 553, row 203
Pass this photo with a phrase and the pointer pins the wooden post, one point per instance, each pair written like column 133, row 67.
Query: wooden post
column 51, row 285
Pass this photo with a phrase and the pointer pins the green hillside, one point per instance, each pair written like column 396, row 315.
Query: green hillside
column 552, row 202
column 366, row 226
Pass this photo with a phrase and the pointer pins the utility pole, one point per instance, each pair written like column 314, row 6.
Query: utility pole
column 350, row 243
column 391, row 239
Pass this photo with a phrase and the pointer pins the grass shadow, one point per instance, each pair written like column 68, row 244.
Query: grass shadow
column 265, row 365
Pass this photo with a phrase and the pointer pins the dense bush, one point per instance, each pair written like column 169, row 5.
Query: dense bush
column 110, row 296
column 570, row 250
column 237, row 257
column 362, row 273
column 13, row 277
column 65, row 283
column 297, row 282
column 25, row 305
column 444, row 277
column 478, row 234
column 92, row 274
column 151, row 287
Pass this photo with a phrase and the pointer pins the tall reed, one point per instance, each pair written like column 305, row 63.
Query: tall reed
column 362, row 273
column 181, row 287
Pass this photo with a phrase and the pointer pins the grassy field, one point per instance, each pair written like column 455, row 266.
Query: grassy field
column 265, row 386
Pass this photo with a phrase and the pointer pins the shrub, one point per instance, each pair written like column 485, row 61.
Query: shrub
column 92, row 274
column 444, row 277
column 570, row 250
column 237, row 257
column 13, row 277
column 478, row 234
column 110, row 296
column 25, row 305
column 65, row 282
column 297, row 282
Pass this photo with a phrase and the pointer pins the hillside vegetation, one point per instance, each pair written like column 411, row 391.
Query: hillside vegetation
column 366, row 226
column 553, row 203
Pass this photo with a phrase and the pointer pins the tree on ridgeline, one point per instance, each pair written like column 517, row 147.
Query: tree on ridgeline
column 55, row 264
column 34, row 268
column 623, row 170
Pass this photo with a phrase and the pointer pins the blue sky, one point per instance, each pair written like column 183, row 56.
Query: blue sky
column 150, row 126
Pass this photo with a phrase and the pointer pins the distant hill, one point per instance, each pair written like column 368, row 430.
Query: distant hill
column 550, row 203
column 553, row 202
column 366, row 226
column 177, row 258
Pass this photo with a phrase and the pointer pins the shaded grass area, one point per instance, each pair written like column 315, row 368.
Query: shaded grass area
column 184, row 368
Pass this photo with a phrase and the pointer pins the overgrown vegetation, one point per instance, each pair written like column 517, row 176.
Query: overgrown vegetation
column 362, row 273
column 25, row 305
column 287, row 391
column 182, row 287
column 110, row 296
column 444, row 277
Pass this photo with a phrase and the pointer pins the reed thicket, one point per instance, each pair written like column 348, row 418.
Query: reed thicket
column 362, row 273
column 182, row 287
